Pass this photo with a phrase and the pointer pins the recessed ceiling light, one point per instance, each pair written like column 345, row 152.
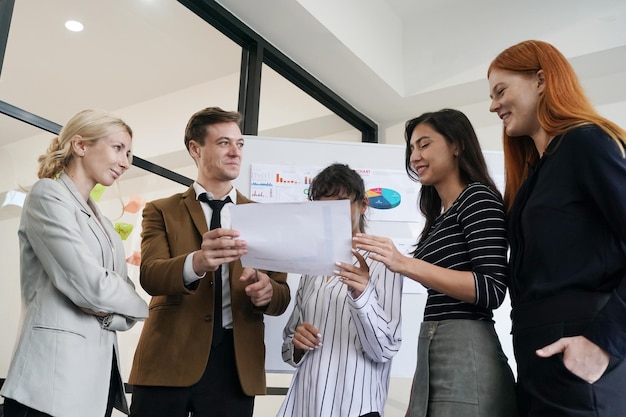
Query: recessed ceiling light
column 73, row 25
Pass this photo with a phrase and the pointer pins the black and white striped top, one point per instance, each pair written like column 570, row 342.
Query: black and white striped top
column 348, row 375
column 469, row 236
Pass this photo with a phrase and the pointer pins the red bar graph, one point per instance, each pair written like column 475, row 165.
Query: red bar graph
column 282, row 180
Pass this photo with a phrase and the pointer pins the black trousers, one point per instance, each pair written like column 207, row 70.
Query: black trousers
column 217, row 394
column 14, row 409
column 546, row 388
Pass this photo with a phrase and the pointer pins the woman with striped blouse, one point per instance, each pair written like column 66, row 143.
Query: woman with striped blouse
column 461, row 258
column 344, row 329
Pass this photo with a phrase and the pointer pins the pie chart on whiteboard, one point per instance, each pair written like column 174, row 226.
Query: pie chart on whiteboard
column 383, row 198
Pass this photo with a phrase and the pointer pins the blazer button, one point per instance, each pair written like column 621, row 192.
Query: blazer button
column 208, row 318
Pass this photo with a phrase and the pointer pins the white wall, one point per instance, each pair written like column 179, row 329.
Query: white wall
column 9, row 291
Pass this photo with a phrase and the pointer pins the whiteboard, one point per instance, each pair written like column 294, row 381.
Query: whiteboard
column 266, row 150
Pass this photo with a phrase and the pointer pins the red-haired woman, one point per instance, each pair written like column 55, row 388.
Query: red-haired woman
column 565, row 198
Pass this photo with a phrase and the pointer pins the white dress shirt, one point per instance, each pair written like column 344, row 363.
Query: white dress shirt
column 189, row 275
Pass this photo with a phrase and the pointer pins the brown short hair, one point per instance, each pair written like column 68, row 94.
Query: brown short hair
column 196, row 127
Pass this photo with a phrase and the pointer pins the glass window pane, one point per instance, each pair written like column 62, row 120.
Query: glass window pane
column 153, row 63
column 288, row 112
column 20, row 146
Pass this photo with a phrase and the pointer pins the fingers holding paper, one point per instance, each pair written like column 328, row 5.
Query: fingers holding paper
column 258, row 286
column 219, row 246
column 355, row 277
column 381, row 249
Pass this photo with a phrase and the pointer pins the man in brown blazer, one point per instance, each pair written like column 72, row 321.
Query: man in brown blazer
column 202, row 349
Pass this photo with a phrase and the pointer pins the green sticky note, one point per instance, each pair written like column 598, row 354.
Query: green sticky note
column 96, row 192
column 123, row 229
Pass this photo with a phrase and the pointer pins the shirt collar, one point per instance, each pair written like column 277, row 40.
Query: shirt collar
column 200, row 189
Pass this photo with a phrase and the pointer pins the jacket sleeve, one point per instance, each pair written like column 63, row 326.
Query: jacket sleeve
column 51, row 229
column 603, row 177
column 161, row 270
column 281, row 295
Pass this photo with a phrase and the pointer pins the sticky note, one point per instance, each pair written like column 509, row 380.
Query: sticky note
column 134, row 259
column 135, row 204
column 123, row 229
column 96, row 192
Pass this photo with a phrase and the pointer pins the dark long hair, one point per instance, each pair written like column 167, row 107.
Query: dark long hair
column 456, row 128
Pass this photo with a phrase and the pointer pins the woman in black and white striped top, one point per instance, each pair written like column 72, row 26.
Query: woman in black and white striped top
column 461, row 258
column 469, row 236
column 344, row 329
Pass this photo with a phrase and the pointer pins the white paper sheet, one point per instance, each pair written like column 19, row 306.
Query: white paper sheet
column 302, row 238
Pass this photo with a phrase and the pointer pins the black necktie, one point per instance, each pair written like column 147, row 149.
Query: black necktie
column 216, row 206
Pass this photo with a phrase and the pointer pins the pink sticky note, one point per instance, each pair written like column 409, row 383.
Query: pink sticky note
column 135, row 204
column 134, row 259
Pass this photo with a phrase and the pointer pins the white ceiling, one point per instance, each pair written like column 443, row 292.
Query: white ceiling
column 393, row 59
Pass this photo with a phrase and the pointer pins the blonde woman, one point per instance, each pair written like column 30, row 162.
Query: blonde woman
column 75, row 290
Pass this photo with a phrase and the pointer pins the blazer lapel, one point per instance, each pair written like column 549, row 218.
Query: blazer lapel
column 96, row 223
column 195, row 210
column 78, row 199
column 242, row 199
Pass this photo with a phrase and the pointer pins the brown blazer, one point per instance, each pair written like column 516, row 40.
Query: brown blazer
column 175, row 342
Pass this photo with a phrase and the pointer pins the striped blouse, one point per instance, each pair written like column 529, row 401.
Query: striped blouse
column 469, row 236
column 349, row 374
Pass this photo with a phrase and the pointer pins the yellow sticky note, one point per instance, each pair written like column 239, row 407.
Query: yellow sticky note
column 96, row 192
column 123, row 229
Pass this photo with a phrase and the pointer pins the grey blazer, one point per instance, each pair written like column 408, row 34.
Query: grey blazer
column 70, row 257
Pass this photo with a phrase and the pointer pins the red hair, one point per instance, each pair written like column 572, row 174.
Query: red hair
column 562, row 106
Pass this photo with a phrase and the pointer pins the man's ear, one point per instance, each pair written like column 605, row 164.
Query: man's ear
column 194, row 149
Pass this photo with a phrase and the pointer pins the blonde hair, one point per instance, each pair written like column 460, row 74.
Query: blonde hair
column 562, row 107
column 90, row 125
